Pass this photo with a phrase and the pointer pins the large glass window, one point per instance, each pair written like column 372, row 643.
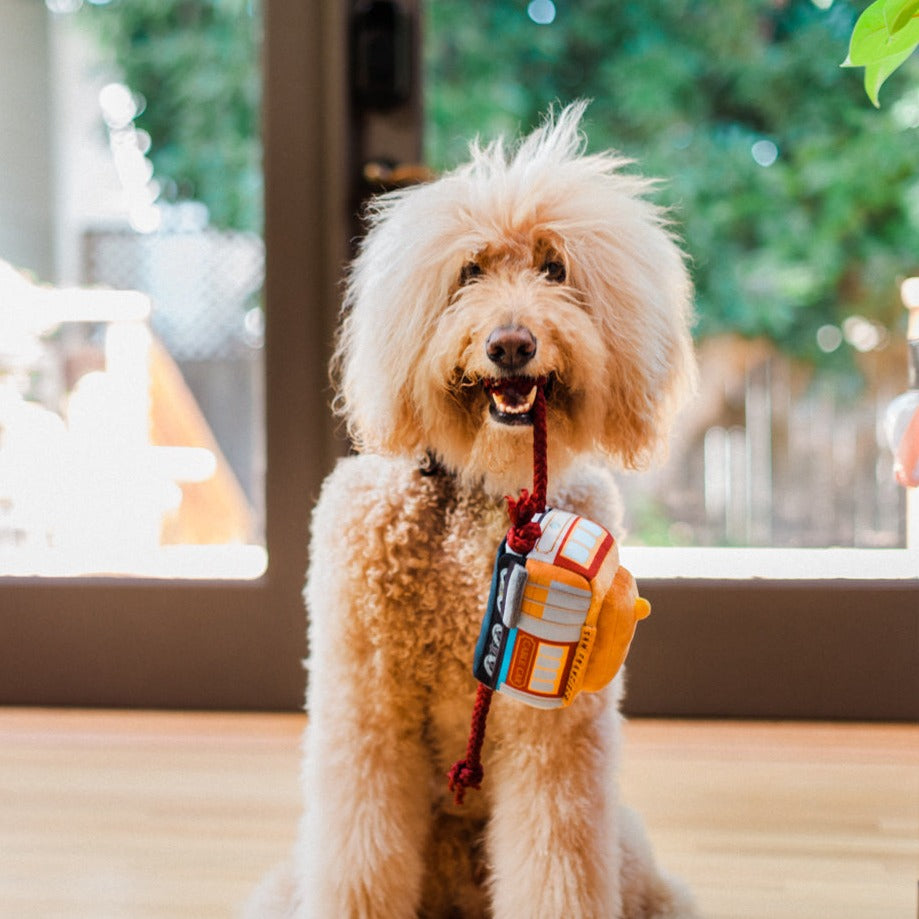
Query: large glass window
column 131, row 269
column 797, row 202
column 742, row 648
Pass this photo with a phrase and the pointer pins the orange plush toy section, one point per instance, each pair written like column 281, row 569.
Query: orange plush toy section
column 560, row 617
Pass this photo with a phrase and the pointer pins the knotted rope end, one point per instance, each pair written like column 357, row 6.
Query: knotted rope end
column 469, row 772
column 462, row 776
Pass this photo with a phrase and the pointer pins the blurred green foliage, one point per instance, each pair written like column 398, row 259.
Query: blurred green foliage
column 196, row 63
column 798, row 202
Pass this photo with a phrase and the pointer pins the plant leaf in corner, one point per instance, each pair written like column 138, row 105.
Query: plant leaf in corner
column 878, row 71
column 871, row 41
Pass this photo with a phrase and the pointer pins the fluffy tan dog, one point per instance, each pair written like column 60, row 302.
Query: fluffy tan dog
column 538, row 261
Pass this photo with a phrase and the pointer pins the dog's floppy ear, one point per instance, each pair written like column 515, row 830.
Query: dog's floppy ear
column 385, row 323
column 638, row 286
column 377, row 411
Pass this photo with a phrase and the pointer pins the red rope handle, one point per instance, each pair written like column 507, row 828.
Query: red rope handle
column 468, row 772
column 521, row 537
column 524, row 532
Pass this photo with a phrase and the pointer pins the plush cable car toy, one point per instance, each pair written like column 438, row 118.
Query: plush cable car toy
column 560, row 617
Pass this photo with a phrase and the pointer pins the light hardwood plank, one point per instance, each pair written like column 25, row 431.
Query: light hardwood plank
column 783, row 821
column 132, row 815
column 139, row 815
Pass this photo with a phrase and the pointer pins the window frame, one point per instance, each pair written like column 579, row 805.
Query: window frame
column 727, row 648
column 758, row 648
column 227, row 644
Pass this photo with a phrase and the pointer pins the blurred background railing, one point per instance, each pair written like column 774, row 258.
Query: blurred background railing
column 773, row 454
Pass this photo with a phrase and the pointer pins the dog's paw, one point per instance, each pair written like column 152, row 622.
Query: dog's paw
column 664, row 897
column 648, row 892
column 274, row 898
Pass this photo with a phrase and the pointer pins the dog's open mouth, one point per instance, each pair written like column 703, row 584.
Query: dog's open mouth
column 511, row 399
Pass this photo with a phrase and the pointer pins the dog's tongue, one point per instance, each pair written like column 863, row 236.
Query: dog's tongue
column 514, row 387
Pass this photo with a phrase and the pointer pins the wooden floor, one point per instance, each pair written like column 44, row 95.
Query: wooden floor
column 149, row 816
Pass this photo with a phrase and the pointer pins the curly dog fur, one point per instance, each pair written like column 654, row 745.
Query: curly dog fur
column 537, row 260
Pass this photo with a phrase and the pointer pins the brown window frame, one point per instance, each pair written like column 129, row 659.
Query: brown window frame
column 227, row 644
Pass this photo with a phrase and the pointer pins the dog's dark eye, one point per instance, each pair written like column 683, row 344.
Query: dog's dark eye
column 470, row 271
column 554, row 270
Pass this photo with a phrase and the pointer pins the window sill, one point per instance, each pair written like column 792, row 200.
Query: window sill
column 771, row 564
column 188, row 562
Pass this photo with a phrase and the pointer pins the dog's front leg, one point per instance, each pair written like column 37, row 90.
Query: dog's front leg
column 366, row 778
column 360, row 851
column 552, row 838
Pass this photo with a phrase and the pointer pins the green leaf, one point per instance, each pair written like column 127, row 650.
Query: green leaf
column 878, row 71
column 897, row 13
column 871, row 40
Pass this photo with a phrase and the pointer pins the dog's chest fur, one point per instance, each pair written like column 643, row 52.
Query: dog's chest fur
column 418, row 550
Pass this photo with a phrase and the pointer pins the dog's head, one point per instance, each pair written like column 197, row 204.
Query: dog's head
column 540, row 262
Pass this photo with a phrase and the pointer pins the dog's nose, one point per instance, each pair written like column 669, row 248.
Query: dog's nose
column 510, row 347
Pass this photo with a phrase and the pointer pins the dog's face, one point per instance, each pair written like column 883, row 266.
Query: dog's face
column 545, row 265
